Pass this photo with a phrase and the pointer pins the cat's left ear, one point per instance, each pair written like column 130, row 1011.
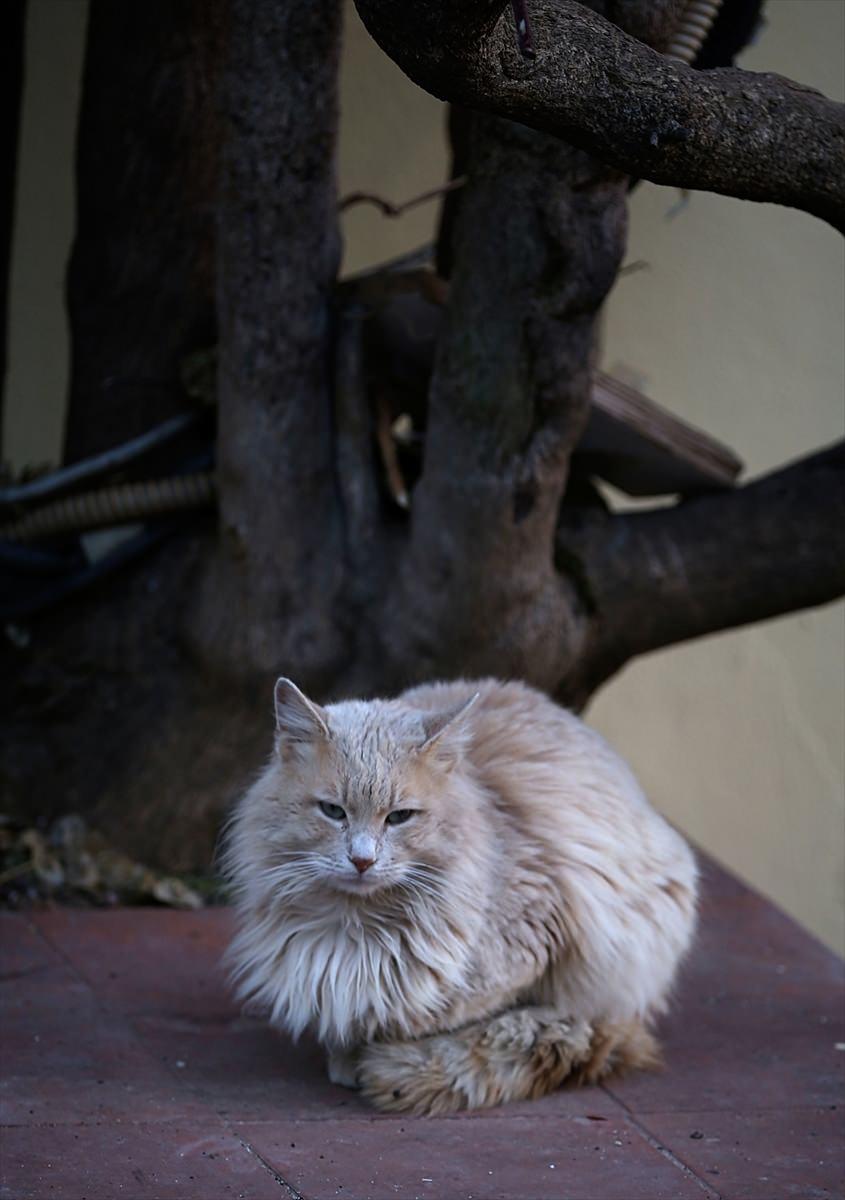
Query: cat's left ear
column 447, row 733
column 298, row 720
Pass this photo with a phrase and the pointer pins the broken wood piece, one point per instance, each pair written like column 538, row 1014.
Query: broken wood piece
column 645, row 450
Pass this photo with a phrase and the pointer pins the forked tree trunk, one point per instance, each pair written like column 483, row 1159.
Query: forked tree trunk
column 537, row 244
column 147, row 705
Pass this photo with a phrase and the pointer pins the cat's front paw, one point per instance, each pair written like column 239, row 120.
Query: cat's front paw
column 343, row 1067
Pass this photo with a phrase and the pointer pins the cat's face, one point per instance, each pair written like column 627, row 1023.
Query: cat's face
column 364, row 797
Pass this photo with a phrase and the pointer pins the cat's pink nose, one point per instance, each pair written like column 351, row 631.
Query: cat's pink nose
column 362, row 864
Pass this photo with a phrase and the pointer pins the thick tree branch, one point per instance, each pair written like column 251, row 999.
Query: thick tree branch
column 651, row 579
column 754, row 136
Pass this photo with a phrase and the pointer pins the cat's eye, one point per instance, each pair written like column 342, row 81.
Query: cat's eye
column 333, row 811
column 399, row 816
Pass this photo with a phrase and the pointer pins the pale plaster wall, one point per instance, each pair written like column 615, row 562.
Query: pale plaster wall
column 737, row 325
column 38, row 347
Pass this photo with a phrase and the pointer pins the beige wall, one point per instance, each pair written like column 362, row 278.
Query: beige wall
column 33, row 420
column 392, row 141
column 737, row 325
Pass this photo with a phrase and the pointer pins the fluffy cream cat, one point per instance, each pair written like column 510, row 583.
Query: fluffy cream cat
column 462, row 892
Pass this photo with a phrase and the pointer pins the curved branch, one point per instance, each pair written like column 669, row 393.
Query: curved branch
column 754, row 136
column 721, row 560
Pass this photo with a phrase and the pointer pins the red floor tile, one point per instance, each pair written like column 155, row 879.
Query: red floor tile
column 23, row 951
column 66, row 1059
column 146, row 960
column 515, row 1158
column 127, row 1066
column 136, row 1162
column 759, row 1009
column 755, row 1156
column 247, row 1072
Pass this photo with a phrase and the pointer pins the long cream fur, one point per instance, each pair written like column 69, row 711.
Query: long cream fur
column 521, row 928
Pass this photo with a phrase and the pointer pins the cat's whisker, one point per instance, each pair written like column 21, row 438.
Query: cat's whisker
column 421, row 877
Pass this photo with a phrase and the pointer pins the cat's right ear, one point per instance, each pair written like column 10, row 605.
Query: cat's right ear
column 299, row 721
column 447, row 733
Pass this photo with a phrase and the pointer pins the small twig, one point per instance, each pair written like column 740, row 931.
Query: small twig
column 388, row 209
column 639, row 264
column 524, row 36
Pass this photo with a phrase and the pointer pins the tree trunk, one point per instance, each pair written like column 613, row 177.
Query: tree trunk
column 539, row 238
column 144, row 705
column 147, row 705
column 269, row 600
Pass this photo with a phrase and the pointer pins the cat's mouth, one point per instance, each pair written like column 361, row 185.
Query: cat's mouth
column 360, row 884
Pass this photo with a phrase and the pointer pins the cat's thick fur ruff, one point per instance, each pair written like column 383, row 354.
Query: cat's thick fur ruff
column 520, row 928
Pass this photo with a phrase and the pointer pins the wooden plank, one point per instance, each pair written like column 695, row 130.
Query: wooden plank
column 645, row 450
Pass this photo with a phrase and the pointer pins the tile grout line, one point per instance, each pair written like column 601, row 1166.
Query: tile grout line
column 291, row 1191
column 673, row 1158
column 670, row 1156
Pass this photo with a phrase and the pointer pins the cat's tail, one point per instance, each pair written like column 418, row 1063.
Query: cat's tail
column 518, row 1055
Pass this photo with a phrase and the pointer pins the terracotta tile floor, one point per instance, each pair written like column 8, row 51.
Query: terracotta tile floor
column 127, row 1072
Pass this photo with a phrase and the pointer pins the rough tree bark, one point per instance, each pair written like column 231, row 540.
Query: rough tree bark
column 277, row 569
column 538, row 242
column 147, row 705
